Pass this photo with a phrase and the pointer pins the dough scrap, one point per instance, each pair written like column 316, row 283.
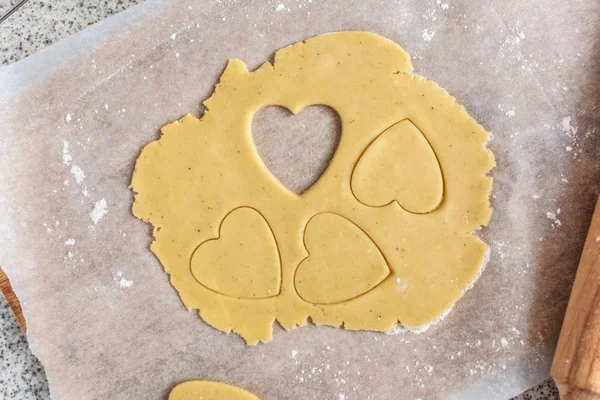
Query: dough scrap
column 201, row 170
column 209, row 390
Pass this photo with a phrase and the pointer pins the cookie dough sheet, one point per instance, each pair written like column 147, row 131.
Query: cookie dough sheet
column 102, row 315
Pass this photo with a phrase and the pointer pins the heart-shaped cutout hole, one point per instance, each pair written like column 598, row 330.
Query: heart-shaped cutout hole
column 296, row 148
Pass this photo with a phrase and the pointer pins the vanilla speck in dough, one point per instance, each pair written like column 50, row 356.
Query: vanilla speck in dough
column 99, row 211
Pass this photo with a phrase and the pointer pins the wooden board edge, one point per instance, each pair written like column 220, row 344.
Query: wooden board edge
column 13, row 300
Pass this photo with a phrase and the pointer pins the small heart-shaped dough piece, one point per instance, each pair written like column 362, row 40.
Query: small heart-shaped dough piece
column 343, row 262
column 243, row 262
column 399, row 165
column 209, row 390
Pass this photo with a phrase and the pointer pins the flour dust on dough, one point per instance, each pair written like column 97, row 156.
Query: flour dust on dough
column 384, row 237
column 209, row 390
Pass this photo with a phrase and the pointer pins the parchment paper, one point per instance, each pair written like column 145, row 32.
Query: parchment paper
column 102, row 316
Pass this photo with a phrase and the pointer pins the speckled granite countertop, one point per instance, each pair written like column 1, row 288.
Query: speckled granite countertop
column 38, row 24
column 34, row 26
column 21, row 375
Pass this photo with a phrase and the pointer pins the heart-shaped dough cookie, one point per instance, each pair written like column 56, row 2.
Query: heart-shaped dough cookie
column 343, row 262
column 243, row 262
column 209, row 390
column 399, row 165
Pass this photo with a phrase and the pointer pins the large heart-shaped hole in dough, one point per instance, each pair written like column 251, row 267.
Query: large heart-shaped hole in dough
column 296, row 148
column 343, row 262
column 243, row 262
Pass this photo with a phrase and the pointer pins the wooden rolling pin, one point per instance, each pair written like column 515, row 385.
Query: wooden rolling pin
column 576, row 365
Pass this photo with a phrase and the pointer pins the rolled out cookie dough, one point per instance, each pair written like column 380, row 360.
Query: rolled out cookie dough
column 383, row 238
column 208, row 390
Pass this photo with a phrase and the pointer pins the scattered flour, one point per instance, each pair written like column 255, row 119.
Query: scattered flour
column 68, row 118
column 173, row 36
column 510, row 113
column 124, row 283
column 76, row 171
column 99, row 211
column 504, row 342
column 67, row 157
column 69, row 242
column 401, row 286
column 567, row 127
column 280, row 7
column 553, row 216
column 293, row 353
column 78, row 174
column 121, row 280
column 427, row 35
